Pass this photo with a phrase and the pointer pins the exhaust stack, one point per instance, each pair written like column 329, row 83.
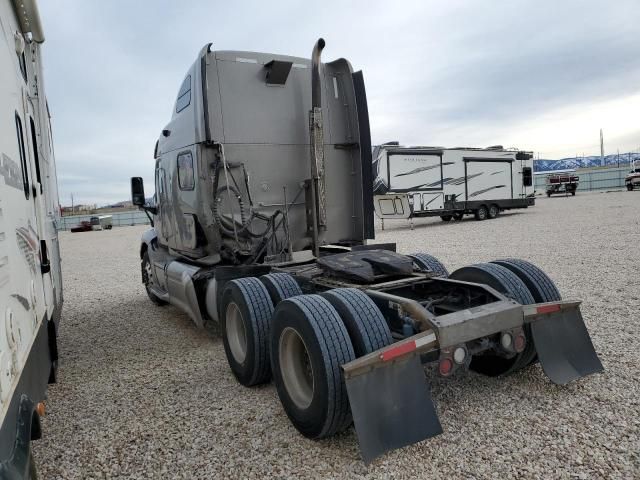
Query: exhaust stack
column 318, row 198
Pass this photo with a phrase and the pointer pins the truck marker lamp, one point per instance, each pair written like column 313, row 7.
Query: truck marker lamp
column 506, row 340
column 445, row 367
column 40, row 409
column 548, row 308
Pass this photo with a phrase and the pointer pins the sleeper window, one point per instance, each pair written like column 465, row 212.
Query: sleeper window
column 184, row 95
column 186, row 179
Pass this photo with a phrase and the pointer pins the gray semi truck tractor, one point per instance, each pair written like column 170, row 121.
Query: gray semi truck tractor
column 261, row 223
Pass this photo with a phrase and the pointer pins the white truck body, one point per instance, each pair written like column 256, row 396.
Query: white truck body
column 425, row 181
column 30, row 276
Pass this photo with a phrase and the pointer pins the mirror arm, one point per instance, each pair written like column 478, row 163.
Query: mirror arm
column 147, row 210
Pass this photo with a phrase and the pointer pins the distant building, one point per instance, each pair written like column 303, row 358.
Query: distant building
column 78, row 208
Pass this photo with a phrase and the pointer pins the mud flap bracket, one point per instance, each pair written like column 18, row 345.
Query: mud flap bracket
column 392, row 407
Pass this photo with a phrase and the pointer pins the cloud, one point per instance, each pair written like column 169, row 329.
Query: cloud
column 442, row 73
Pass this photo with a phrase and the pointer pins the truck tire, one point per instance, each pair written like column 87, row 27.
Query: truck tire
column 429, row 263
column 246, row 312
column 148, row 279
column 446, row 218
column 549, row 194
column 309, row 343
column 280, row 286
column 481, row 213
column 629, row 187
column 494, row 211
column 508, row 283
column 458, row 216
column 367, row 327
column 539, row 284
column 573, row 193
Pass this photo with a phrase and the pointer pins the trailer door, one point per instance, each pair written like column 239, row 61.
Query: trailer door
column 488, row 179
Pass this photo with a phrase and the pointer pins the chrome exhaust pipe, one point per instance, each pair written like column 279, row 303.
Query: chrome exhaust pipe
column 316, row 138
column 316, row 93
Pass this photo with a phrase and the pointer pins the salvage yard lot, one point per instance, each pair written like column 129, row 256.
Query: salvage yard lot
column 143, row 393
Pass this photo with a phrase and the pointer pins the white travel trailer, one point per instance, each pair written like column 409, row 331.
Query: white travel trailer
column 30, row 278
column 450, row 182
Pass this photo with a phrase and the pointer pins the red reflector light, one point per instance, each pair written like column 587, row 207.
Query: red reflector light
column 445, row 366
column 398, row 351
column 548, row 308
column 519, row 343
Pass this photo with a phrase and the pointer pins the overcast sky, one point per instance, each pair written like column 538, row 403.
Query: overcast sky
column 540, row 75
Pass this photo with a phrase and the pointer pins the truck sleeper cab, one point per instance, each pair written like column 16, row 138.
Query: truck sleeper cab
column 263, row 212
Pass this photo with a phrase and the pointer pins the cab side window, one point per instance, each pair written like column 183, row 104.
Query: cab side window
column 184, row 95
column 186, row 178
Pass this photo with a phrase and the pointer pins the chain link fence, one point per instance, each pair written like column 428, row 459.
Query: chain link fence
column 601, row 179
column 119, row 219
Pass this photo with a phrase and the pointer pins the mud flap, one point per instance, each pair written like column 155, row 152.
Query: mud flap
column 392, row 407
column 564, row 346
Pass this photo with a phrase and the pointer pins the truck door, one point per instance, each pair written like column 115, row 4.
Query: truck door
column 184, row 199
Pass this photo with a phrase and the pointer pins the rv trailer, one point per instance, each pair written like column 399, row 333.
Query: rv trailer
column 450, row 182
column 261, row 225
column 30, row 276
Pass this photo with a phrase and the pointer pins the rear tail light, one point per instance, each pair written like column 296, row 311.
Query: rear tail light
column 445, row 367
column 519, row 343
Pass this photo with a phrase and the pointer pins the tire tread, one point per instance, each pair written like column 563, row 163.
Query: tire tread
column 365, row 320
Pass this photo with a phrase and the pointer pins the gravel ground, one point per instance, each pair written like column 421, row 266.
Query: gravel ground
column 142, row 393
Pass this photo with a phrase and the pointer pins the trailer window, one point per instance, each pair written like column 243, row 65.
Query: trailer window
column 23, row 65
column 34, row 141
column 184, row 95
column 527, row 179
column 23, row 156
column 186, row 179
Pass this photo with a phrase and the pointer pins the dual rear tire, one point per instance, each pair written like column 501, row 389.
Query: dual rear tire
column 523, row 282
column 302, row 344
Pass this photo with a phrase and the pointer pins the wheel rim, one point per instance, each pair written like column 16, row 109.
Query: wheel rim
column 493, row 212
column 296, row 369
column 236, row 332
column 482, row 213
column 149, row 273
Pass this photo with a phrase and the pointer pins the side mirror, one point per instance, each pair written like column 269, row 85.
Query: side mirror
column 137, row 191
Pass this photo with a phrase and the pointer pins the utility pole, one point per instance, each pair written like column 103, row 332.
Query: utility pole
column 72, row 209
column 601, row 149
column 618, row 158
